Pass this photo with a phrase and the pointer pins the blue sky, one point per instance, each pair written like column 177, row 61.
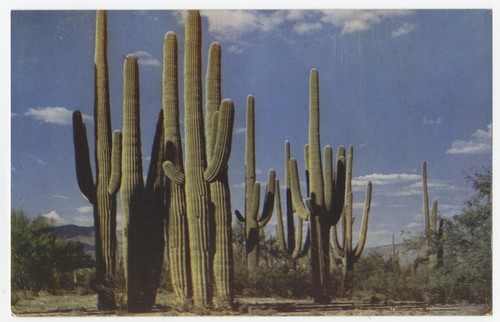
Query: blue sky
column 401, row 86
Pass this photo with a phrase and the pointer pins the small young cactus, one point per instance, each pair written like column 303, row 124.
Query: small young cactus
column 433, row 226
column 254, row 222
column 292, row 245
column 349, row 254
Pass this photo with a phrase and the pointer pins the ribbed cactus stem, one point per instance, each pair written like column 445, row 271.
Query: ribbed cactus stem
column 132, row 185
column 253, row 221
column 103, row 200
column 177, row 222
column 427, row 221
column 350, row 255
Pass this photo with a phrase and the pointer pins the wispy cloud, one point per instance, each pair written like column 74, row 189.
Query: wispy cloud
column 427, row 121
column 351, row 21
column 59, row 197
column 147, row 59
column 38, row 160
column 53, row 215
column 240, row 130
column 385, row 179
column 406, row 28
column 480, row 142
column 230, row 25
column 54, row 115
column 85, row 209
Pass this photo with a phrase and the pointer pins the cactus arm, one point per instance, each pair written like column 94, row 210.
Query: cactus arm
column 328, row 179
column 339, row 185
column 222, row 148
column 173, row 173
column 239, row 216
column 82, row 159
column 434, row 217
column 116, row 172
column 307, row 243
column 297, row 201
column 267, row 210
column 307, row 170
column 213, row 94
column 425, row 200
column 280, row 232
column 254, row 210
column 154, row 179
column 364, row 224
column 336, row 243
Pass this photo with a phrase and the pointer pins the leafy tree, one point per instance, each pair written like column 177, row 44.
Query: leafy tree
column 468, row 253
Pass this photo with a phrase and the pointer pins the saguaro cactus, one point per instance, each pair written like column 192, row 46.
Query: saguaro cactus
column 433, row 226
column 143, row 206
column 178, row 248
column 349, row 254
column 198, row 174
column 292, row 244
column 325, row 196
column 254, row 222
column 219, row 189
column 101, row 193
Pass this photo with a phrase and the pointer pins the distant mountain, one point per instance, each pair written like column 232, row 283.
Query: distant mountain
column 84, row 235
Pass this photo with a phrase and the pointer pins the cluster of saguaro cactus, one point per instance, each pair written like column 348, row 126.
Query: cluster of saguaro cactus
column 325, row 196
column 101, row 193
column 345, row 250
column 433, row 226
column 143, row 205
column 253, row 221
column 205, row 164
column 292, row 245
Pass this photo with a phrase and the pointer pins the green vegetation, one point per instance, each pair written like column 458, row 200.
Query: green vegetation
column 43, row 262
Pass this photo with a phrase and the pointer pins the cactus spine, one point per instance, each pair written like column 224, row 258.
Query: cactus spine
column 198, row 174
column 102, row 193
column 143, row 206
column 254, row 222
column 433, row 226
column 347, row 253
column 325, row 196
column 292, row 245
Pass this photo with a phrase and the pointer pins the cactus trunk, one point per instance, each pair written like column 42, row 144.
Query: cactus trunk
column 254, row 222
column 348, row 254
column 102, row 194
column 178, row 248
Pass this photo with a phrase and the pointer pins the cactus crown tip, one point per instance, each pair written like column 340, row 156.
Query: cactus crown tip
column 169, row 34
column 131, row 56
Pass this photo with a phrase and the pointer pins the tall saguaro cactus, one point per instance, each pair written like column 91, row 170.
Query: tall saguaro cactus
column 325, row 195
column 349, row 254
column 254, row 222
column 143, row 206
column 433, row 226
column 219, row 188
column 178, row 248
column 198, row 173
column 101, row 193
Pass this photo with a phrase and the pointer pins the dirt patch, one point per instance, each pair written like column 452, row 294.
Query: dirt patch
column 85, row 305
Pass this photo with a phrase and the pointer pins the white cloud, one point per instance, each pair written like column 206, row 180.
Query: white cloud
column 427, row 121
column 59, row 197
column 53, row 215
column 406, row 28
column 302, row 28
column 350, row 21
column 83, row 220
column 480, row 142
column 240, row 130
column 54, row 115
column 85, row 209
column 384, row 179
column 147, row 59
